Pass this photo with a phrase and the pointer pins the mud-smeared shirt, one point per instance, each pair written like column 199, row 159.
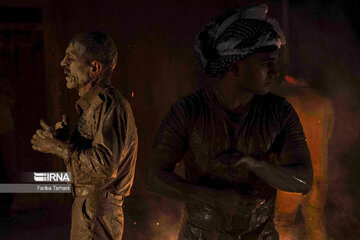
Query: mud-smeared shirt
column 105, row 140
column 199, row 127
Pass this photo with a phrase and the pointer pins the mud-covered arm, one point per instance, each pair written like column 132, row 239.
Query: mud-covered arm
column 162, row 180
column 169, row 149
column 109, row 124
column 294, row 172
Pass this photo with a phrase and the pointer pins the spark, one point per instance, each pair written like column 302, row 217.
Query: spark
column 132, row 94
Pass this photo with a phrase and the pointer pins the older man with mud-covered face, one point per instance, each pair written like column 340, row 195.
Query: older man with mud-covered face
column 78, row 73
column 101, row 152
column 239, row 142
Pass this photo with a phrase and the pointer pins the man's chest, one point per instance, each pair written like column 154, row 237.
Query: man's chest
column 215, row 132
column 85, row 125
column 88, row 121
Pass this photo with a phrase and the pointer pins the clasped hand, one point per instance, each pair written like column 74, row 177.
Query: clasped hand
column 47, row 140
column 232, row 161
column 233, row 164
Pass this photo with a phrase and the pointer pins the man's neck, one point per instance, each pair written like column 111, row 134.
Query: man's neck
column 103, row 76
column 227, row 87
column 84, row 89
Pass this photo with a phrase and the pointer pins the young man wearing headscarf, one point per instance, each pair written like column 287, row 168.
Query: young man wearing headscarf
column 239, row 142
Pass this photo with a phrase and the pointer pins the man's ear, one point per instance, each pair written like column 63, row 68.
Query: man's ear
column 95, row 68
column 235, row 67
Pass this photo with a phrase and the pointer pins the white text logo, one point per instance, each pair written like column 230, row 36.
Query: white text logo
column 52, row 177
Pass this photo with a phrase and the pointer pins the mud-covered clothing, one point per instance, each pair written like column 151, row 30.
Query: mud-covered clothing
column 103, row 162
column 97, row 217
column 199, row 128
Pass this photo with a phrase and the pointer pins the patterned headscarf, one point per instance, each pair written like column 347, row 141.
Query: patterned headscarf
column 235, row 35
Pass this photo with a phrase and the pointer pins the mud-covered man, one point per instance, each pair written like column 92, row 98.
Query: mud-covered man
column 239, row 142
column 102, row 150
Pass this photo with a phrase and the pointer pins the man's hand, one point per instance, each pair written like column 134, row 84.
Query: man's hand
column 62, row 129
column 230, row 163
column 44, row 140
column 236, row 162
column 229, row 157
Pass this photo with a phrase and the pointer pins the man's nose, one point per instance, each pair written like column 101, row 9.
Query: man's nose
column 274, row 70
column 62, row 63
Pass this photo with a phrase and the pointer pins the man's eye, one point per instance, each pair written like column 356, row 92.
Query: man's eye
column 268, row 63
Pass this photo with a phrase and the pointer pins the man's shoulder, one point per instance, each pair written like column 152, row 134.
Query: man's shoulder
column 271, row 101
column 112, row 97
column 273, row 98
column 197, row 98
column 273, row 105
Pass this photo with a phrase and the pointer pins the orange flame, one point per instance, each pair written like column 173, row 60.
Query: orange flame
column 290, row 79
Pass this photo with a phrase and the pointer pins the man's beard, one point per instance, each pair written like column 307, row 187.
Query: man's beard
column 73, row 82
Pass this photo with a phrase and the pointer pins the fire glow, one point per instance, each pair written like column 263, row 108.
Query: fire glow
column 290, row 79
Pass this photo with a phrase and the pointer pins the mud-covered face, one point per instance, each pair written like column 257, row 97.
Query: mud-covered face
column 257, row 72
column 77, row 72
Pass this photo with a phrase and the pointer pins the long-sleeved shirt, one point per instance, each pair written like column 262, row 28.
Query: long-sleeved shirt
column 105, row 140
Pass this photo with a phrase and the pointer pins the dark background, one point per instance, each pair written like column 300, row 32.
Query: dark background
column 156, row 62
